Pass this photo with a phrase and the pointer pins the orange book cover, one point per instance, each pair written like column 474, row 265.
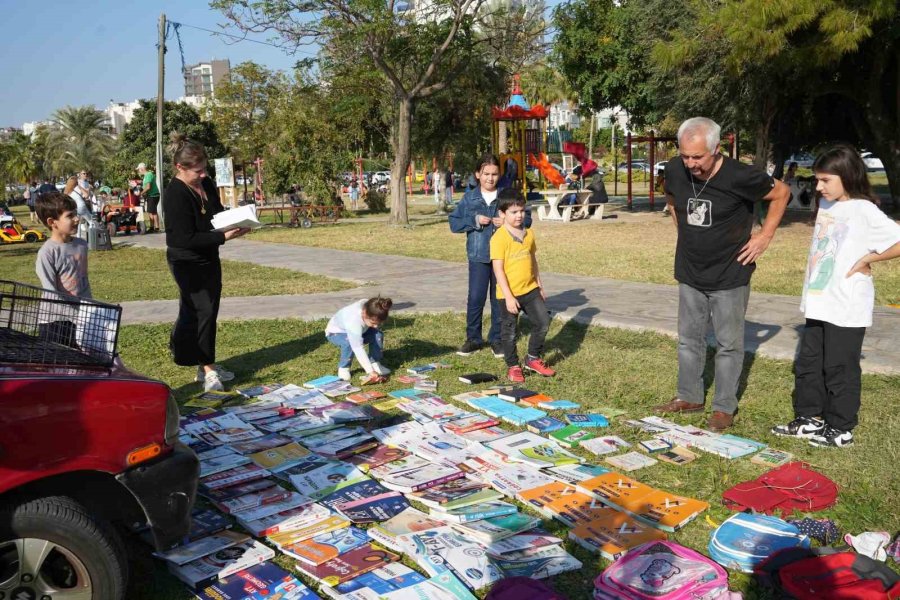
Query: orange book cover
column 615, row 489
column 561, row 501
column 664, row 510
column 613, row 533
column 536, row 399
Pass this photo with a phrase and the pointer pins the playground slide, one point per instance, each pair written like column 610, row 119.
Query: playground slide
column 549, row 172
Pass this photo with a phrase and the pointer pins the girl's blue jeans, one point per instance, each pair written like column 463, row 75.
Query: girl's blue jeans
column 373, row 338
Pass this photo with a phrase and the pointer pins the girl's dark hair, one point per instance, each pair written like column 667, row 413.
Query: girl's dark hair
column 845, row 162
column 509, row 197
column 186, row 152
column 52, row 205
column 378, row 308
column 487, row 159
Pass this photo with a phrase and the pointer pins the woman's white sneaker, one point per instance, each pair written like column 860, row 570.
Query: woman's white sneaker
column 344, row 373
column 212, row 383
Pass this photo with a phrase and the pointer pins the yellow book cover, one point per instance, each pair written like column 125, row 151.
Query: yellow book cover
column 612, row 533
column 664, row 510
column 559, row 500
column 275, row 457
column 298, row 535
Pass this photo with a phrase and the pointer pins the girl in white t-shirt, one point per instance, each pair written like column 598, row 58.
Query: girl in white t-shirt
column 851, row 233
column 355, row 326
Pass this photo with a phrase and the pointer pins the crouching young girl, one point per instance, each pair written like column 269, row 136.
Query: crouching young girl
column 851, row 233
column 356, row 326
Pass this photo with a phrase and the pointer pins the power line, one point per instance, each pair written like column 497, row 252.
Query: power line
column 241, row 38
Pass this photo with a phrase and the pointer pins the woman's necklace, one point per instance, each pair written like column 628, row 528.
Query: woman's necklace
column 201, row 198
column 696, row 195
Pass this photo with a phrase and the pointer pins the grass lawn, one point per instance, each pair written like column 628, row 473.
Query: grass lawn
column 597, row 366
column 639, row 247
column 141, row 274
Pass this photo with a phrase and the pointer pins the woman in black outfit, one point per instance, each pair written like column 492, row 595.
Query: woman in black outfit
column 190, row 201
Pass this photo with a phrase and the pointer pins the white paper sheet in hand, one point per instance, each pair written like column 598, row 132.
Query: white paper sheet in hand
column 243, row 216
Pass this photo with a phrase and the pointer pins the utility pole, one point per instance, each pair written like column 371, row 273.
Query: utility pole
column 160, row 98
column 591, row 137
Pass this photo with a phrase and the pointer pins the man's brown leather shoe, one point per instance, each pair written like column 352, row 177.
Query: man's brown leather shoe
column 677, row 405
column 719, row 421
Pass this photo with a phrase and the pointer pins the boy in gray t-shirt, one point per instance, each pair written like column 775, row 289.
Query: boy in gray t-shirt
column 62, row 262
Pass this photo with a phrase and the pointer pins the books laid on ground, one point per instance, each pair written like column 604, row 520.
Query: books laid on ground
column 301, row 426
column 212, row 399
column 258, row 390
column 236, row 218
column 348, row 446
column 217, row 464
column 363, row 397
column 643, row 426
column 677, row 456
column 540, row 565
column 351, row 493
column 349, row 565
column 444, row 586
column 772, row 458
column 494, row 529
column 374, row 509
column 471, row 422
column 202, row 547
column 521, row 415
column 516, row 394
column 377, row 583
column 574, row 473
column 377, row 456
column 612, row 533
column 264, row 581
column 237, row 490
column 417, row 475
column 301, row 534
column 205, row 522
column 221, row 564
column 533, row 449
column 630, row 461
column 439, row 550
column 270, row 495
column 605, row 444
column 326, row 479
column 272, row 440
column 293, row 500
column 281, row 457
column 475, row 512
column 473, row 378
column 455, row 491
column 544, row 425
column 516, row 478
column 344, row 412
column 405, row 523
column 338, row 388
column 315, row 440
column 655, row 445
column 222, row 429
column 559, row 405
column 326, row 546
column 536, row 399
column 521, row 544
column 587, row 420
column 320, row 381
column 244, row 473
column 488, row 434
column 561, row 502
column 289, row 520
column 572, row 436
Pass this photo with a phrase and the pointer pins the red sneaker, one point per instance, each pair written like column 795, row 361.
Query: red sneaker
column 539, row 367
column 515, row 374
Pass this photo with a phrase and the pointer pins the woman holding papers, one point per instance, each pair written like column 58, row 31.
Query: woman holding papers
column 189, row 203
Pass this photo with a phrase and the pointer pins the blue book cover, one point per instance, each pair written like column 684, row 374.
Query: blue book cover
column 389, row 578
column 260, row 582
column 405, row 393
column 320, row 381
column 353, row 492
column 587, row 420
column 520, row 415
column 544, row 425
column 476, row 512
column 375, row 508
column 559, row 405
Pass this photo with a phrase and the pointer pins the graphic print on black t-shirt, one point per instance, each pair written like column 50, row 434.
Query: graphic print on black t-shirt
column 699, row 212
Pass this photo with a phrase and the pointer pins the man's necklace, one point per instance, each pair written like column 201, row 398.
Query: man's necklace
column 697, row 195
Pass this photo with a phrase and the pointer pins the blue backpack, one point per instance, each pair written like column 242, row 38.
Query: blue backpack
column 745, row 540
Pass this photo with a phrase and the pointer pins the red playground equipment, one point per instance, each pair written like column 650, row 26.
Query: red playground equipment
column 517, row 132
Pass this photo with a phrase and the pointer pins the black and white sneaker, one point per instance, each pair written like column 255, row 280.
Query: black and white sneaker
column 470, row 347
column 497, row 349
column 832, row 438
column 801, row 427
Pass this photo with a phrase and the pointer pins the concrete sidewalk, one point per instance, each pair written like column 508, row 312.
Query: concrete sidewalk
column 430, row 286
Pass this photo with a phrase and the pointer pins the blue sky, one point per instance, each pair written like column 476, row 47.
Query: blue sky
column 59, row 52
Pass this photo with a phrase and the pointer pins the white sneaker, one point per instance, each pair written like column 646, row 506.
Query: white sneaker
column 223, row 374
column 381, row 369
column 344, row 373
column 212, row 383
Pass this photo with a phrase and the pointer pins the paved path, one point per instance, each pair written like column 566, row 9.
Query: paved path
column 429, row 286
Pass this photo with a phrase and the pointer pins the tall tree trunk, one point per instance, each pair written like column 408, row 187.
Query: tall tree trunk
column 401, row 144
column 763, row 131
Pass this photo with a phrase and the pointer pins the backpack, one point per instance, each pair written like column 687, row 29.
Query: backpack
column 828, row 574
column 661, row 570
column 522, row 588
column 793, row 486
column 743, row 541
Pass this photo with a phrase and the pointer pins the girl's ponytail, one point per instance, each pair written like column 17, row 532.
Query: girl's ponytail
column 378, row 308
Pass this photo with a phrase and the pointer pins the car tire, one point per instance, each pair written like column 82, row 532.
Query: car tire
column 31, row 237
column 74, row 549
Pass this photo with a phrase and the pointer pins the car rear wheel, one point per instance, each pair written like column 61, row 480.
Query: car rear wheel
column 31, row 237
column 53, row 548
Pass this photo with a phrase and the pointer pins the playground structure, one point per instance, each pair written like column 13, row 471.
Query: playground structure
column 517, row 133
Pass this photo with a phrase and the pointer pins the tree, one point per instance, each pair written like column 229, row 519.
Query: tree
column 137, row 143
column 18, row 158
column 419, row 51
column 241, row 108
column 79, row 140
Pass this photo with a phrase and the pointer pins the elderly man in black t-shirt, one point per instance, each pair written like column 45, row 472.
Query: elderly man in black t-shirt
column 711, row 200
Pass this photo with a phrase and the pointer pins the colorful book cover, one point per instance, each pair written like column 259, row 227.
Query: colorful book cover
column 444, row 586
column 364, row 397
column 466, row 396
column 605, row 444
column 347, row 446
column 448, row 492
column 223, row 429
column 269, row 495
column 281, row 457
column 497, row 528
column 613, row 533
column 374, row 509
column 440, row 550
column 655, row 445
column 294, row 500
column 512, row 444
column 205, row 522
column 210, row 466
column 265, row 581
column 289, row 520
column 488, row 434
column 383, row 580
column 540, row 565
column 326, row 546
column 421, row 369
column 336, row 389
column 266, row 442
column 235, row 491
column 615, row 489
column 326, row 437
column 521, row 544
column 587, row 420
column 475, row 512
column 471, row 423
column 301, row 534
column 320, row 381
column 664, row 510
column 365, row 488
column 678, row 456
column 258, row 390
column 350, row 565
column 223, row 563
column 520, row 416
column 772, row 458
column 409, row 521
column 377, row 456
column 327, row 479
column 545, row 455
column 535, row 400
column 573, row 474
column 544, row 425
column 304, row 465
column 571, row 436
column 420, row 478
column 479, row 497
column 293, row 396
column 202, row 547
column 244, row 473
column 559, row 405
column 631, row 461
column 516, row 478
column 562, row 502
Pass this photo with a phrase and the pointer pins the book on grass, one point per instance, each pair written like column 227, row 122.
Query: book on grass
column 545, row 455
column 207, row 452
column 374, row 509
column 664, row 510
column 301, row 534
column 327, row 479
column 281, row 457
column 479, row 497
column 349, row 565
column 520, row 415
column 488, row 434
column 540, row 565
column 494, row 529
column 377, row 456
column 466, row 396
column 266, row 442
column 400, row 434
column 363, row 397
column 644, row 426
column 536, row 400
column 326, row 546
column 772, row 458
column 631, row 461
column 348, row 446
column 221, row 564
column 475, row 512
column 320, row 381
column 223, row 429
column 544, row 425
column 294, row 396
column 345, row 412
column 560, row 501
column 605, row 444
column 448, row 492
column 571, row 436
column 516, row 394
column 271, row 495
column 301, row 426
column 237, row 490
column 212, row 399
column 420, row 478
column 515, row 478
column 359, row 490
column 614, row 489
column 612, row 533
column 376, row 583
column 559, row 405
column 411, row 520
column 306, row 464
column 242, row 474
column 258, row 390
column 336, row 389
column 443, row 586
column 210, row 466
column 573, row 474
column 440, row 550
column 314, row 441
column 654, row 445
column 677, row 456
column 473, row 378
column 512, row 444
column 521, row 544
column 182, row 555
column 294, row 500
column 205, row 522
column 587, row 420
column 265, row 581
column 421, row 369
column 471, row 422
column 289, row 520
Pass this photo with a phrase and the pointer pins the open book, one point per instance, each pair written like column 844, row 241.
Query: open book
column 242, row 216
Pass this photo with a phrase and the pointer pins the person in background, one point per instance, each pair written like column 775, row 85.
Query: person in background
column 82, row 205
column 31, row 195
column 150, row 194
column 356, row 326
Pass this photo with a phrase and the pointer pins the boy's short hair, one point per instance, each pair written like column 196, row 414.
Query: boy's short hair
column 509, row 197
column 52, row 205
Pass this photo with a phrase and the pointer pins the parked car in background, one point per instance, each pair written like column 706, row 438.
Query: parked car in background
column 660, row 168
column 636, row 165
column 803, row 159
column 873, row 163
column 379, row 177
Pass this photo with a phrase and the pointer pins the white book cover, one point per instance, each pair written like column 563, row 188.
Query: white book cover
column 399, row 435
column 445, row 586
column 211, row 466
column 291, row 394
column 573, row 474
column 288, row 520
column 254, row 406
column 412, row 480
column 332, row 435
column 202, row 547
column 606, row 444
column 295, row 500
column 520, row 543
column 516, row 478
column 485, row 464
column 411, row 520
column 225, row 429
column 631, row 461
column 540, row 565
column 326, row 479
column 398, row 466
column 338, row 446
column 496, row 528
column 297, row 423
column 223, row 563
column 513, row 444
column 236, row 218
column 439, row 550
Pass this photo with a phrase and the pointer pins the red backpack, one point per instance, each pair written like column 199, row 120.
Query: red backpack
column 790, row 487
column 828, row 574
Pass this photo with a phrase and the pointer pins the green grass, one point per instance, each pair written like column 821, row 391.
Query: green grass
column 637, row 247
column 128, row 273
column 596, row 366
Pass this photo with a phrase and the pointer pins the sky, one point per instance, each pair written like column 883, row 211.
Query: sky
column 60, row 52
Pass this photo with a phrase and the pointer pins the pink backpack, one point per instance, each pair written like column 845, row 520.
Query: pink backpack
column 661, row 570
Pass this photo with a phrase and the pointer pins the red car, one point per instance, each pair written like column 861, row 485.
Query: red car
column 87, row 449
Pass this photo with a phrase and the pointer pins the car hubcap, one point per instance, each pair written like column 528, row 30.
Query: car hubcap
column 35, row 569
